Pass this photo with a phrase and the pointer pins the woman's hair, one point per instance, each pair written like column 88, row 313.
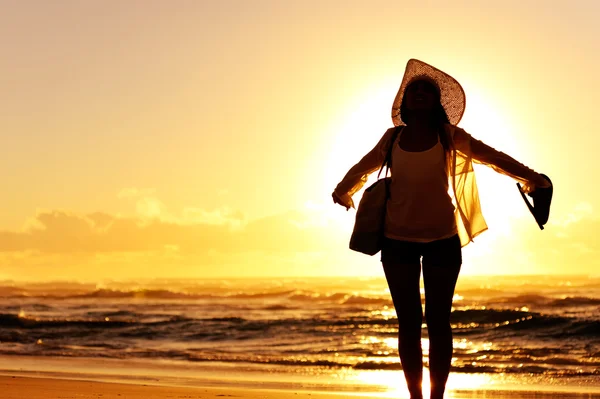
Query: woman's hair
column 438, row 114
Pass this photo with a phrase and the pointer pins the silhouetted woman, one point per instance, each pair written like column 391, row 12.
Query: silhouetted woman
column 430, row 154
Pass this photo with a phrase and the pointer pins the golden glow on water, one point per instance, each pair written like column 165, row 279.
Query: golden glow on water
column 394, row 385
column 465, row 344
column 425, row 346
column 387, row 313
column 392, row 343
column 392, row 382
column 370, row 340
column 467, row 381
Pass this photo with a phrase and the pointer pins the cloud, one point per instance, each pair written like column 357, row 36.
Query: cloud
column 222, row 216
column 568, row 245
column 581, row 211
column 222, row 242
column 149, row 207
column 196, row 231
column 59, row 244
column 133, row 192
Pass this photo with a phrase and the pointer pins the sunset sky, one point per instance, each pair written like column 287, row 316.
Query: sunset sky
column 202, row 138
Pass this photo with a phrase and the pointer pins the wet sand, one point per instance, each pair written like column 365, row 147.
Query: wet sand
column 14, row 387
column 18, row 387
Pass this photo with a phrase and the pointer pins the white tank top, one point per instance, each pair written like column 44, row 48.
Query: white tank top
column 420, row 207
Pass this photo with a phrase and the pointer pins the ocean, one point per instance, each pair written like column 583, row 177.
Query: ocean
column 541, row 326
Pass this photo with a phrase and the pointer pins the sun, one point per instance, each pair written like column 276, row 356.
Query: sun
column 366, row 117
column 359, row 126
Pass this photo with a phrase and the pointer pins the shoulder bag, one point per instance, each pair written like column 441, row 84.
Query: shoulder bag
column 367, row 235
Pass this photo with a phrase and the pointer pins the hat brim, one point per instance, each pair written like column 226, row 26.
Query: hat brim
column 452, row 95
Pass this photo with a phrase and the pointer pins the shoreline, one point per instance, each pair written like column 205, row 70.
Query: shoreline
column 17, row 387
column 212, row 380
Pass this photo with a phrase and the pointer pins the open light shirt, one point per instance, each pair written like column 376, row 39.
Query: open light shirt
column 464, row 149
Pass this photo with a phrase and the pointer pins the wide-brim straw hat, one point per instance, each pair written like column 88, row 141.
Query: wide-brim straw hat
column 452, row 95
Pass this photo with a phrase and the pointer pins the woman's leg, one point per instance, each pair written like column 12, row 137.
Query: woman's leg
column 441, row 267
column 403, row 281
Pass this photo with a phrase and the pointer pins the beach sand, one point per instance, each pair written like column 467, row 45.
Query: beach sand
column 13, row 387
column 18, row 387
column 63, row 378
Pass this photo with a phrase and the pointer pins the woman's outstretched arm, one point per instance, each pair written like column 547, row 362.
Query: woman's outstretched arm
column 499, row 161
column 358, row 174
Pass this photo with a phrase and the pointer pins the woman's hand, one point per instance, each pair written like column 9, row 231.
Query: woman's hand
column 338, row 200
column 542, row 183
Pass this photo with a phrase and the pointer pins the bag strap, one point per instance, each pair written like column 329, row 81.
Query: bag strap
column 388, row 157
